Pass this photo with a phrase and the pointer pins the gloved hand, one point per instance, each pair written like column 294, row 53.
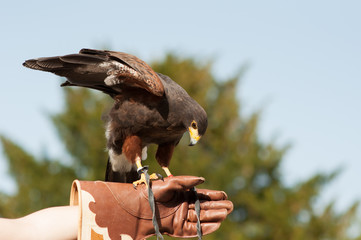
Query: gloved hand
column 125, row 210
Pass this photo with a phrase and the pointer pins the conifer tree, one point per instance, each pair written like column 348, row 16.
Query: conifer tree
column 230, row 156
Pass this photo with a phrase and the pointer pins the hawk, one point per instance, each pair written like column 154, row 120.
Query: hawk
column 149, row 107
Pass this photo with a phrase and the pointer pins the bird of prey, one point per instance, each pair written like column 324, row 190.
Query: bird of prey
column 149, row 107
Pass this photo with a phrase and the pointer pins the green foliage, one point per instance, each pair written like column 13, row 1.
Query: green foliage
column 80, row 127
column 230, row 156
column 40, row 182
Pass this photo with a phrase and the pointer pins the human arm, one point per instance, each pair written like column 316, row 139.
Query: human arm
column 56, row 223
column 175, row 206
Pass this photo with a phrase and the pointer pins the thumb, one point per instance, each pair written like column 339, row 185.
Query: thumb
column 185, row 182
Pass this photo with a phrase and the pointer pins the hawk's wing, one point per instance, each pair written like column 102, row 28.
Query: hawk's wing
column 102, row 70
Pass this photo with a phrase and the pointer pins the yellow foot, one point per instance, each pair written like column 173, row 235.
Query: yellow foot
column 154, row 176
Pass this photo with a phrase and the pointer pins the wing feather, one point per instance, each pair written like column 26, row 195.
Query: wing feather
column 106, row 71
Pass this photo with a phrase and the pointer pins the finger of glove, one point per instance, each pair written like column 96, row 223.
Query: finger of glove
column 214, row 195
column 214, row 205
column 164, row 191
column 190, row 229
column 186, row 182
column 217, row 215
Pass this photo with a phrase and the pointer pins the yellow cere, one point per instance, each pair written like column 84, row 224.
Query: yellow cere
column 194, row 133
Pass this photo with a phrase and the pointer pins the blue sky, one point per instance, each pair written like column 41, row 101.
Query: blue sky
column 304, row 58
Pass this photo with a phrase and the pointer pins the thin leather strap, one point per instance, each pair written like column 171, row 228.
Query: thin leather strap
column 197, row 208
column 152, row 205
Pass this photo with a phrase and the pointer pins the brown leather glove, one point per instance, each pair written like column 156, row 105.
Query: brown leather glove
column 125, row 210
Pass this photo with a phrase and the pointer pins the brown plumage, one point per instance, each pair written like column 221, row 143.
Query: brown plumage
column 149, row 108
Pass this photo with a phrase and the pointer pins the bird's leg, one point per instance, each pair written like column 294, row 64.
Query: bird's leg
column 166, row 170
column 132, row 149
column 164, row 155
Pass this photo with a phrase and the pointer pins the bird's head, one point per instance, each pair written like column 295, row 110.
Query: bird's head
column 187, row 112
column 197, row 128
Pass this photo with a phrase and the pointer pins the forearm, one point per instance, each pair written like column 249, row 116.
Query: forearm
column 56, row 223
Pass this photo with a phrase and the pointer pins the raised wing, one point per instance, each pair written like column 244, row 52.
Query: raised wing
column 107, row 71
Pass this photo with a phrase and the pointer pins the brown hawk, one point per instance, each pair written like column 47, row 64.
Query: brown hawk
column 149, row 107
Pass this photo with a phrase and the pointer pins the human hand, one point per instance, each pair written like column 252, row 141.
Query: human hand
column 177, row 190
column 125, row 211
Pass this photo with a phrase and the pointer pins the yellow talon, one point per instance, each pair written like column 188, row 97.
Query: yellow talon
column 153, row 176
column 140, row 181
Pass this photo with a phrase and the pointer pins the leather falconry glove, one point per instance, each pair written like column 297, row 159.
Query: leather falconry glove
column 122, row 212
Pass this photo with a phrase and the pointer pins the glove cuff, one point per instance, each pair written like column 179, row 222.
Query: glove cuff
column 91, row 195
column 109, row 210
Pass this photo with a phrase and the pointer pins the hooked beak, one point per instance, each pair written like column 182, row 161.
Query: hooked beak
column 193, row 133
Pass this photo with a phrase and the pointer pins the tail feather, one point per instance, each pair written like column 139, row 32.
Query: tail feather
column 122, row 177
column 79, row 69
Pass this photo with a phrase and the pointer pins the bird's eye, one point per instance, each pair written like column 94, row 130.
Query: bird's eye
column 194, row 125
